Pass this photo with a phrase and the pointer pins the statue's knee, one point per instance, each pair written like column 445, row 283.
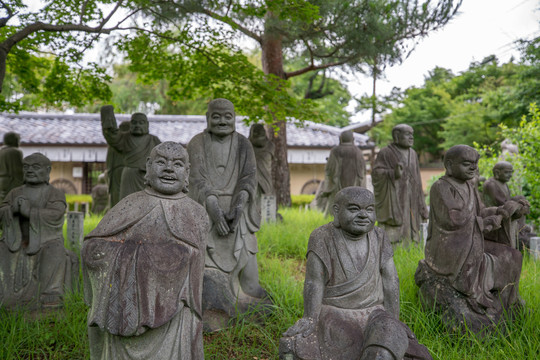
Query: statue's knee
column 377, row 353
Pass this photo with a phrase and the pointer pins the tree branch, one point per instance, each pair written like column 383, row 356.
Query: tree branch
column 316, row 67
column 227, row 20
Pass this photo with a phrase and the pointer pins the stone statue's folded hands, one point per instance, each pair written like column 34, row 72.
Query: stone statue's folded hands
column 304, row 326
column 24, row 206
column 492, row 222
column 217, row 216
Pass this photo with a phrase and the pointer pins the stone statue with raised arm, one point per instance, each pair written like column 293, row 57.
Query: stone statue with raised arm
column 345, row 167
column 397, row 184
column 224, row 180
column 464, row 276
column 35, row 267
column 351, row 291
column 11, row 160
column 135, row 146
column 143, row 268
column 115, row 167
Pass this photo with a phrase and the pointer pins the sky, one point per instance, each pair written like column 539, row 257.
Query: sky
column 481, row 28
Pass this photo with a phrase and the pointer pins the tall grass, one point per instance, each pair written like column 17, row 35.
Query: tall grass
column 281, row 257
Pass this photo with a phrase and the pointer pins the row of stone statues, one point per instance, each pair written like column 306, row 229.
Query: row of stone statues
column 180, row 254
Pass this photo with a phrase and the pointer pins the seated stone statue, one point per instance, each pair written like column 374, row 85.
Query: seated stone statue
column 223, row 178
column 100, row 196
column 464, row 276
column 497, row 193
column 143, row 268
column 11, row 158
column 35, row 268
column 345, row 167
column 351, row 291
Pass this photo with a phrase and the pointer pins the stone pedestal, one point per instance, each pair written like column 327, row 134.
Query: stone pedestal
column 268, row 208
column 75, row 229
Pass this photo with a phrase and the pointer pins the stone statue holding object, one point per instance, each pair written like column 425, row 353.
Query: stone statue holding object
column 351, row 291
column 223, row 179
column 264, row 153
column 115, row 167
column 345, row 167
column 11, row 160
column 465, row 276
column 397, row 184
column 36, row 270
column 135, row 146
column 143, row 268
column 497, row 193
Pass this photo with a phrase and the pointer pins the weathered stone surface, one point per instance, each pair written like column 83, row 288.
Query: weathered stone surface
column 143, row 268
column 35, row 268
column 398, row 188
column 75, row 229
column 223, row 179
column 11, row 160
column 351, row 291
column 115, row 167
column 465, row 277
column 345, row 167
column 134, row 146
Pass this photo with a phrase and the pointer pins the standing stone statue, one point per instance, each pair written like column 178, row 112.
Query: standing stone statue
column 143, row 268
column 497, row 193
column 223, row 179
column 11, row 159
column 351, row 291
column 35, row 268
column 399, row 197
column 264, row 153
column 134, row 146
column 100, row 196
column 115, row 167
column 464, row 276
column 345, row 167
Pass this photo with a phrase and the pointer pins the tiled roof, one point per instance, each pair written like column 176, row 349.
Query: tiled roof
column 85, row 129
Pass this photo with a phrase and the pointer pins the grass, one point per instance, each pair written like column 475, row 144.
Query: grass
column 281, row 257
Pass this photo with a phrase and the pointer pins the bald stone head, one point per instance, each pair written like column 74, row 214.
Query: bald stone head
column 403, row 136
column 346, row 137
column 138, row 124
column 354, row 210
column 36, row 169
column 12, row 139
column 257, row 135
column 167, row 168
column 503, row 171
column 220, row 117
column 461, row 162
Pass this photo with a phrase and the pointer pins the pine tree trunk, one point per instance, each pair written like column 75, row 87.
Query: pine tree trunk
column 272, row 62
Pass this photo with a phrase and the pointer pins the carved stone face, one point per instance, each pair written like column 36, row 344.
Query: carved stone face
column 258, row 135
column 503, row 173
column 35, row 172
column 405, row 137
column 464, row 166
column 166, row 172
column 355, row 214
column 139, row 124
column 221, row 120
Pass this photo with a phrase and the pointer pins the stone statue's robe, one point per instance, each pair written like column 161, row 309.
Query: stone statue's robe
column 232, row 252
column 11, row 171
column 135, row 150
column 495, row 192
column 398, row 202
column 456, row 248
column 353, row 296
column 35, row 266
column 115, row 167
column 345, row 167
column 263, row 157
column 143, row 268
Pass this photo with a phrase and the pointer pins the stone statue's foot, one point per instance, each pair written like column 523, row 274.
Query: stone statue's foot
column 257, row 292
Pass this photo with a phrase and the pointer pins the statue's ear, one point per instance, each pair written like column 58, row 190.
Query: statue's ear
column 336, row 218
column 448, row 167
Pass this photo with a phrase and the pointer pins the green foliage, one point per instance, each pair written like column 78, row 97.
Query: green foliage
column 526, row 178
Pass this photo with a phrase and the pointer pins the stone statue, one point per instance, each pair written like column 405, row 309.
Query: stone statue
column 143, row 268
column 134, row 146
column 351, row 291
column 466, row 277
column 264, row 153
column 223, row 179
column 35, row 268
column 345, row 167
column 100, row 196
column 497, row 193
column 11, row 159
column 399, row 197
column 115, row 167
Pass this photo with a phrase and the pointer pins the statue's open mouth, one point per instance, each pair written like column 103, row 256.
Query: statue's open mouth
column 168, row 179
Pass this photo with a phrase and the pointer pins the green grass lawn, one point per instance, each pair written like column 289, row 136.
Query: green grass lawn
column 282, row 249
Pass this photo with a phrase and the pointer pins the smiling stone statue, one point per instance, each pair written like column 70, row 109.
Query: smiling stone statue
column 143, row 268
